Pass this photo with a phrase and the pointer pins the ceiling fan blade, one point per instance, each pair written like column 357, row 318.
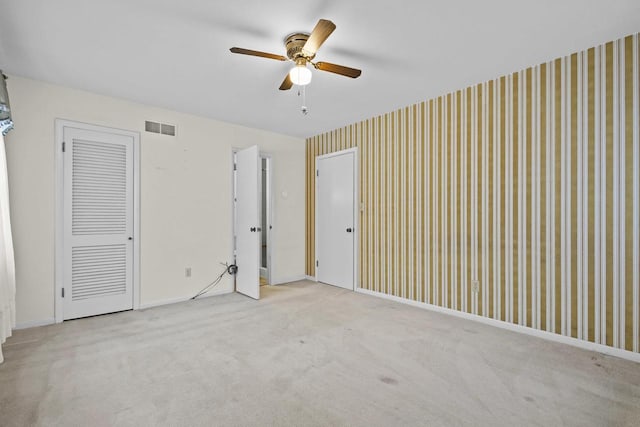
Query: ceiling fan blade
column 320, row 33
column 257, row 53
column 286, row 83
column 338, row 69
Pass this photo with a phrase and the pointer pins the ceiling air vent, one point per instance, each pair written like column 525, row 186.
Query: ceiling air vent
column 161, row 128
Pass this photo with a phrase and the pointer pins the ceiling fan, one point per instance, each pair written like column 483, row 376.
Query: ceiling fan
column 301, row 48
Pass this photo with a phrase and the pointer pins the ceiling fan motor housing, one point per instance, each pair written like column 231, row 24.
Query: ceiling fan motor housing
column 294, row 44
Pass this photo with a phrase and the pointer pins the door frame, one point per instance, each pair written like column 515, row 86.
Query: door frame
column 356, row 211
column 60, row 125
column 270, row 217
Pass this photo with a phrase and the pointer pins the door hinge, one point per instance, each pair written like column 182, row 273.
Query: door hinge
column 62, row 292
column 317, row 263
column 64, row 146
column 235, row 166
column 317, row 172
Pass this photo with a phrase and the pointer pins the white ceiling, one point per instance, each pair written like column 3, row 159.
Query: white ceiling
column 175, row 54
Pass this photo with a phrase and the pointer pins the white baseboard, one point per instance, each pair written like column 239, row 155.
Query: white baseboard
column 312, row 278
column 284, row 280
column 51, row 321
column 586, row 345
column 34, row 323
column 158, row 303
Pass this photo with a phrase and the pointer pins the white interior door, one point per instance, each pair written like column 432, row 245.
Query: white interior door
column 335, row 219
column 247, row 228
column 98, row 223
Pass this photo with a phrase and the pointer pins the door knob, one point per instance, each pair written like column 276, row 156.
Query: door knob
column 349, row 230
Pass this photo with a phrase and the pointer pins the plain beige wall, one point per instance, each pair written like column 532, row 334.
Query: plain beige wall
column 185, row 181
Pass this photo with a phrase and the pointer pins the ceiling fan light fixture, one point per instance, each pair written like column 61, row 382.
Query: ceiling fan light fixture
column 300, row 75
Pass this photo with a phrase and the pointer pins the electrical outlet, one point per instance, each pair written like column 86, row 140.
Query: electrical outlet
column 475, row 286
column 187, row 272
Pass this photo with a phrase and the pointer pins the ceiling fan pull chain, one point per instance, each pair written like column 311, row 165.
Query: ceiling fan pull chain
column 304, row 108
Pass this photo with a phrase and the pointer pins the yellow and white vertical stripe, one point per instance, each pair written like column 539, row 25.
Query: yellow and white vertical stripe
column 527, row 186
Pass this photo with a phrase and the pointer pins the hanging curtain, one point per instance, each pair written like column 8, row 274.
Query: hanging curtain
column 7, row 266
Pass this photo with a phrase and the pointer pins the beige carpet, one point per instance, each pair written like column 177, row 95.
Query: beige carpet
column 306, row 354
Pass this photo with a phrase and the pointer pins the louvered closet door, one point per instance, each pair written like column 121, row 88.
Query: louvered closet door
column 98, row 223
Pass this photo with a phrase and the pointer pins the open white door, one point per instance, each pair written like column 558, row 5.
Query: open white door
column 335, row 218
column 248, row 222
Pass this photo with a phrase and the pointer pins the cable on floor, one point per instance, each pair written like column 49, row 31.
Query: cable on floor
column 231, row 269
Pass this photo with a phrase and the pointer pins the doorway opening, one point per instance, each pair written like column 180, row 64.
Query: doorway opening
column 265, row 220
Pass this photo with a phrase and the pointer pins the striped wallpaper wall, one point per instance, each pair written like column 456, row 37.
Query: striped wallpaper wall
column 526, row 187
